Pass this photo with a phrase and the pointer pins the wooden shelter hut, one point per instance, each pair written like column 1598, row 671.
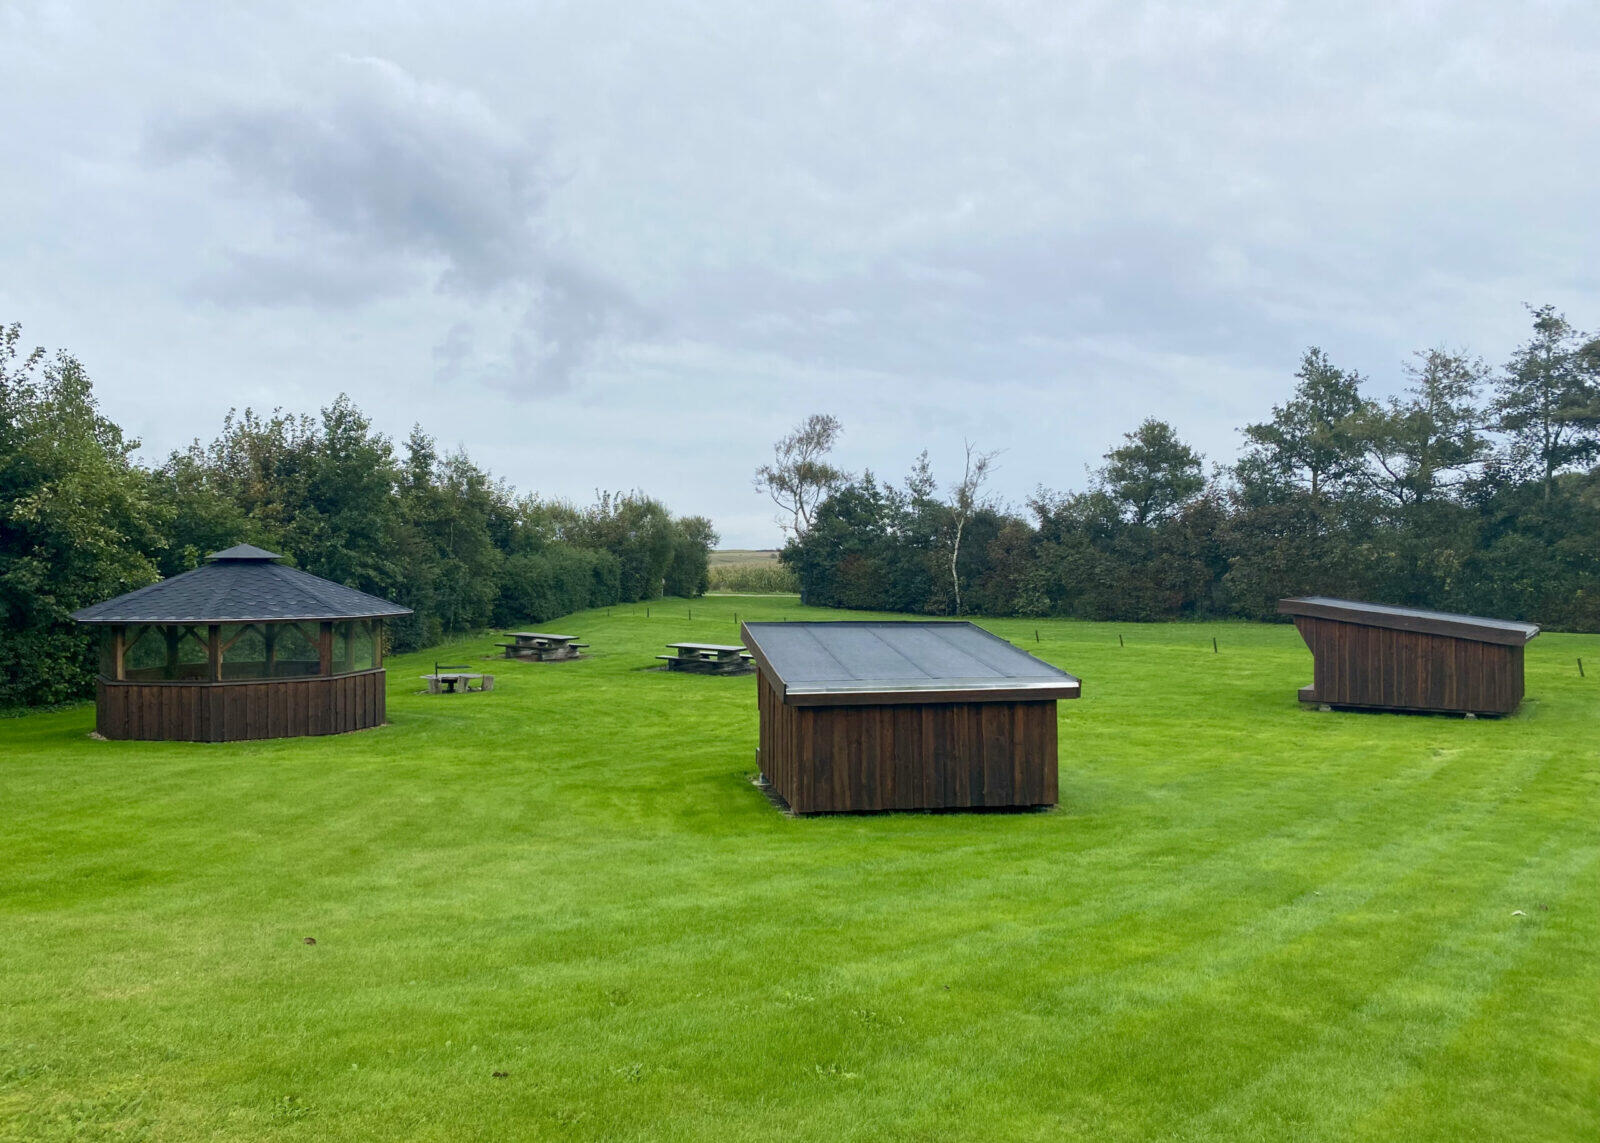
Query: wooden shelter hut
column 904, row 716
column 1369, row 655
column 240, row 647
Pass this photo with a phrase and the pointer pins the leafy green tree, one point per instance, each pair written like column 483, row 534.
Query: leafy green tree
column 345, row 526
column 77, row 523
column 1548, row 399
column 1312, row 442
column 1152, row 473
column 637, row 530
column 1427, row 442
column 201, row 517
column 689, row 571
column 851, row 554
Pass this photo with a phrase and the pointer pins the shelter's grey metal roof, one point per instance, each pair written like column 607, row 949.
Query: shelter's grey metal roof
column 1411, row 619
column 241, row 584
column 884, row 662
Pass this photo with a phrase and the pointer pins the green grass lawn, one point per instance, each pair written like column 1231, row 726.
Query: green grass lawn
column 561, row 911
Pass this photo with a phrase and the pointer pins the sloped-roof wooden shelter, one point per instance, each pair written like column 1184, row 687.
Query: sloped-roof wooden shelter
column 1371, row 655
column 241, row 647
column 904, row 716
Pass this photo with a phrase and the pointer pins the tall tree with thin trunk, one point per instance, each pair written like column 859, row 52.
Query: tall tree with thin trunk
column 1424, row 444
column 965, row 500
column 1548, row 399
column 1311, row 442
column 800, row 477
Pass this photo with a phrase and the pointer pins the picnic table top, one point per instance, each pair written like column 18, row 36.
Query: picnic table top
column 541, row 635
column 453, row 675
column 708, row 646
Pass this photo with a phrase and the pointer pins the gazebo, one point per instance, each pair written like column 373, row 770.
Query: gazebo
column 904, row 716
column 241, row 647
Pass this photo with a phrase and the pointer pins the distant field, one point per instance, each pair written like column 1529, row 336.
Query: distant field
column 739, row 557
column 751, row 571
column 560, row 910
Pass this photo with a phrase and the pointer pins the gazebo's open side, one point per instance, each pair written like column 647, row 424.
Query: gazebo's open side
column 242, row 647
column 863, row 716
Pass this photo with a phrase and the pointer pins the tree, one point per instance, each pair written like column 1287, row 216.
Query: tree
column 344, row 530
column 1425, row 443
column 964, row 502
column 1548, row 399
column 689, row 573
column 639, row 531
column 1312, row 441
column 856, row 554
column 76, row 521
column 800, row 477
column 1153, row 474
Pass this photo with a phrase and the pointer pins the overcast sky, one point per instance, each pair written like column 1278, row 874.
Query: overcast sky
column 629, row 245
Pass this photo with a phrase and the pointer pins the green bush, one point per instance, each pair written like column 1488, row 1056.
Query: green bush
column 559, row 580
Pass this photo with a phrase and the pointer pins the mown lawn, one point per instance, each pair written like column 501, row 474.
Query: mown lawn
column 562, row 911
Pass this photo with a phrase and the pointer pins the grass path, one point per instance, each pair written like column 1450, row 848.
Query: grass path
column 1246, row 920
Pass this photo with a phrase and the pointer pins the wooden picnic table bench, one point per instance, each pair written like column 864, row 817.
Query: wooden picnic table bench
column 708, row 658
column 542, row 645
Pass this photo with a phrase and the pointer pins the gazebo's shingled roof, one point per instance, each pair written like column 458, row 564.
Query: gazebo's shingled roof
column 1474, row 627
column 242, row 584
column 244, row 552
column 942, row 661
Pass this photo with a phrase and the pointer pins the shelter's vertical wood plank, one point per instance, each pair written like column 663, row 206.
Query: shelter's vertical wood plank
column 1386, row 668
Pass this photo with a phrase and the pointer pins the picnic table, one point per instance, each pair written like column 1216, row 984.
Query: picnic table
column 449, row 682
column 542, row 645
column 708, row 658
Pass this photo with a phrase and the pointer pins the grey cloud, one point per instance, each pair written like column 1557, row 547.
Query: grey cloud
column 382, row 183
column 572, row 319
column 385, row 163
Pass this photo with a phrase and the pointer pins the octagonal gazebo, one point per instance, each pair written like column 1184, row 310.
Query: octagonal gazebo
column 241, row 647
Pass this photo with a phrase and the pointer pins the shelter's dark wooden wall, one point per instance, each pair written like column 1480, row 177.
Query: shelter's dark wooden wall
column 232, row 712
column 908, row 756
column 1356, row 665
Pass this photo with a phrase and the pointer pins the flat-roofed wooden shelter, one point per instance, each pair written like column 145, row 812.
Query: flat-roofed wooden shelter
column 1401, row 658
column 241, row 647
column 904, row 716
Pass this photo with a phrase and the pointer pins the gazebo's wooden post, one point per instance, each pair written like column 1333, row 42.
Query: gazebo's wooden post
column 325, row 650
column 119, row 640
column 214, row 651
column 269, row 636
column 377, row 642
